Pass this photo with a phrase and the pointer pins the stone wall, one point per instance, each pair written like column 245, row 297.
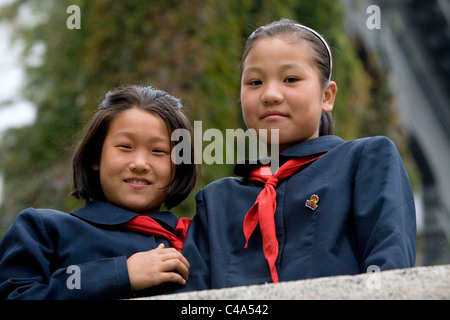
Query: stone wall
column 406, row 284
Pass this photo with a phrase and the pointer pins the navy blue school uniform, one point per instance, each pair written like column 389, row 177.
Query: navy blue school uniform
column 40, row 246
column 365, row 216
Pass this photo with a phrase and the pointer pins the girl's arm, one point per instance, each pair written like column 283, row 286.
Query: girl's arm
column 196, row 250
column 29, row 268
column 384, row 208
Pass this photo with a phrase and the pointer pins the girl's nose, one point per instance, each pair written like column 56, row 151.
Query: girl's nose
column 140, row 162
column 271, row 95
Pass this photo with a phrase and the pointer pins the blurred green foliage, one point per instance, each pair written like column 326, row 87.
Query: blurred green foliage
column 190, row 48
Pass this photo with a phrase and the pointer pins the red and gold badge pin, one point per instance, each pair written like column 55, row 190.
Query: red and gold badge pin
column 312, row 202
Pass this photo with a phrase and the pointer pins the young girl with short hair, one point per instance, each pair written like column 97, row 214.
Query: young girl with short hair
column 119, row 244
column 332, row 208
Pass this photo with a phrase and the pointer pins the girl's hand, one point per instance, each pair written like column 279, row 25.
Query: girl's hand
column 154, row 267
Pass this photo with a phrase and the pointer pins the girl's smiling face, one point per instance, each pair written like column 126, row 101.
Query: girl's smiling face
column 135, row 165
column 280, row 89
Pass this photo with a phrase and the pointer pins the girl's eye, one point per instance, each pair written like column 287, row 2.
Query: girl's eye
column 125, row 146
column 255, row 82
column 291, row 79
column 159, row 151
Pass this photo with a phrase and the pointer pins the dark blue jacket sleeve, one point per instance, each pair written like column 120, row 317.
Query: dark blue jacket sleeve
column 384, row 210
column 29, row 267
column 196, row 250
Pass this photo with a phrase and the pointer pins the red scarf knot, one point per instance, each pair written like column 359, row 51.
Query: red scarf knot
column 147, row 225
column 272, row 182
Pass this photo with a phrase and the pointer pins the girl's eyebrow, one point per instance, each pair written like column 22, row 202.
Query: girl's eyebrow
column 291, row 66
column 132, row 134
column 252, row 69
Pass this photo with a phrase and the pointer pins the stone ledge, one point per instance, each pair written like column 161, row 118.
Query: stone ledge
column 417, row 283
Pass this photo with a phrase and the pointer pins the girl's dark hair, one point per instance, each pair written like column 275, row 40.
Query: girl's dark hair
column 322, row 59
column 86, row 180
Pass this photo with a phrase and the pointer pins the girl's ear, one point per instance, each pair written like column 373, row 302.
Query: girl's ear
column 329, row 94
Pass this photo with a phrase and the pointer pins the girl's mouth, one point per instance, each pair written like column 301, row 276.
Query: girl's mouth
column 273, row 115
column 139, row 182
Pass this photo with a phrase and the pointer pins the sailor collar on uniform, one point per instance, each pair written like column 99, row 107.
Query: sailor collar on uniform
column 318, row 145
column 106, row 214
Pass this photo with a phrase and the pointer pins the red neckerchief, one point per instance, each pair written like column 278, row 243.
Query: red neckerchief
column 148, row 225
column 263, row 210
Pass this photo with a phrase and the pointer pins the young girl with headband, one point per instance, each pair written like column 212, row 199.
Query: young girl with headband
column 332, row 208
column 120, row 245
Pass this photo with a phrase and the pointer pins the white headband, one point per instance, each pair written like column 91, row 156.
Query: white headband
column 314, row 33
